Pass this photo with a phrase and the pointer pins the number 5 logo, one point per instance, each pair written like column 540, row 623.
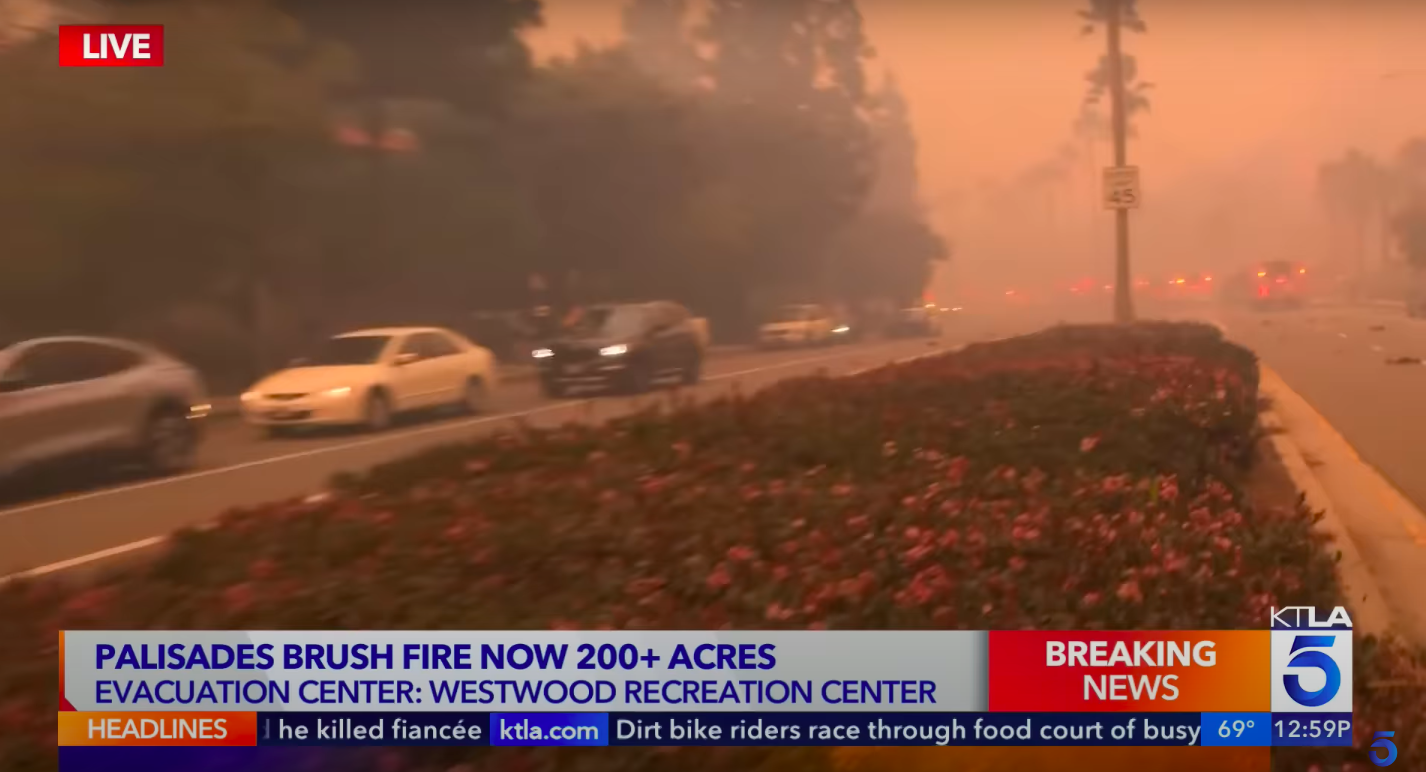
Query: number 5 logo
column 1382, row 741
column 1315, row 659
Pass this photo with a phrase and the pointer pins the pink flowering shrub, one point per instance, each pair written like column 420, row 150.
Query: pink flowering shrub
column 1078, row 478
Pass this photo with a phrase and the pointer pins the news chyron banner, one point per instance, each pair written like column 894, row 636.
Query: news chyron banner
column 1290, row 685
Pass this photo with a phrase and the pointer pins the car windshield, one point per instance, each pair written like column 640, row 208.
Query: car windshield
column 791, row 314
column 353, row 350
column 608, row 322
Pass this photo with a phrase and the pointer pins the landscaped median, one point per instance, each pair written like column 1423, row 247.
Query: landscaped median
column 1083, row 477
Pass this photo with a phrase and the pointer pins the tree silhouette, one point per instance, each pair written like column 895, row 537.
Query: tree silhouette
column 1136, row 92
column 655, row 35
column 1356, row 189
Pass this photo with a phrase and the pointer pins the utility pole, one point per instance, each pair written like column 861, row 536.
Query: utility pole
column 1123, row 289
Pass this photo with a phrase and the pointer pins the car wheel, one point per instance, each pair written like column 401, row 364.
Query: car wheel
column 638, row 380
column 553, row 389
column 170, row 442
column 476, row 397
column 378, row 412
column 693, row 371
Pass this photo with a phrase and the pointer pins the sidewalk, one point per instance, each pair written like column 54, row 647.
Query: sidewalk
column 1379, row 533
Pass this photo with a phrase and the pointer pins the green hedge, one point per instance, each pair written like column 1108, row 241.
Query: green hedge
column 1084, row 477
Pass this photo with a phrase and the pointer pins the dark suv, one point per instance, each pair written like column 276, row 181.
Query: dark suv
column 628, row 347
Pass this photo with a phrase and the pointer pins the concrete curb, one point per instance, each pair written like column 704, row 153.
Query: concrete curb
column 1370, row 613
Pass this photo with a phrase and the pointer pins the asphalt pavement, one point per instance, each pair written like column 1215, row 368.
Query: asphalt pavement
column 1359, row 368
column 240, row 467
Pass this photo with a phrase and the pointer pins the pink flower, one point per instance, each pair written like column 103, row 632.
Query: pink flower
column 740, row 553
column 841, row 489
column 817, row 626
column 780, row 573
column 1129, row 592
column 1087, row 444
column 950, row 538
column 1223, row 544
column 238, row 598
column 644, row 586
column 858, row 522
column 1024, row 533
column 1016, row 563
column 917, row 554
column 719, row 578
column 777, row 611
column 1090, row 600
column 1115, row 483
column 912, row 532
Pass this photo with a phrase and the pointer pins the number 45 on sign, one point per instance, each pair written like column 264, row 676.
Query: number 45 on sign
column 1121, row 187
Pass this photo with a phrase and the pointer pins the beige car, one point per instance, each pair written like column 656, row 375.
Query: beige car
column 798, row 325
column 77, row 397
column 368, row 377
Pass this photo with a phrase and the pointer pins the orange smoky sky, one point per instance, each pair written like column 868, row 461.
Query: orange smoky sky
column 1248, row 97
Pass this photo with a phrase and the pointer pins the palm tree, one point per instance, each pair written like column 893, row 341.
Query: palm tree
column 1356, row 190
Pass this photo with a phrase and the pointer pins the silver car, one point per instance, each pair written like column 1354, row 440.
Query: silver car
column 63, row 398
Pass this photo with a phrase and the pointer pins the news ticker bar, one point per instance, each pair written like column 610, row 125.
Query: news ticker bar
column 365, row 728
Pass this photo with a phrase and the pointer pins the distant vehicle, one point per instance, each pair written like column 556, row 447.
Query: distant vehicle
column 367, row 378
column 920, row 321
column 798, row 325
column 1273, row 284
column 628, row 347
column 70, row 398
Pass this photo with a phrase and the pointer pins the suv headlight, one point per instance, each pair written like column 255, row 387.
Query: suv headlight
column 618, row 349
column 542, row 353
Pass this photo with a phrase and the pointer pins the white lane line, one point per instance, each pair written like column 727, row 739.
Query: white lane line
column 153, row 541
column 445, row 426
column 64, row 565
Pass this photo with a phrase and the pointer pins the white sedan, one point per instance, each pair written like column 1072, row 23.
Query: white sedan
column 366, row 378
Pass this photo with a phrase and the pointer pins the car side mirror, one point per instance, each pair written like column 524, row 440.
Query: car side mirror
column 405, row 359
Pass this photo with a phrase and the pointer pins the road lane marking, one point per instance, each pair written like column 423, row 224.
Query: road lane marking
column 153, row 541
column 64, row 565
column 418, row 431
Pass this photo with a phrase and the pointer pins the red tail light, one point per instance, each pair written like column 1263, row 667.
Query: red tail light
column 1262, row 291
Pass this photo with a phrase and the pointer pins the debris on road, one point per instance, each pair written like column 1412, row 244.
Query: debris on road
column 1405, row 361
column 1377, row 328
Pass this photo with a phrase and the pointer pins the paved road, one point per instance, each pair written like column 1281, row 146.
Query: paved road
column 1337, row 359
column 1356, row 393
column 240, row 468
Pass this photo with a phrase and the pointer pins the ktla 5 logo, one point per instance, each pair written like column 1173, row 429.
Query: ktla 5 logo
column 1312, row 672
column 111, row 45
column 1383, row 743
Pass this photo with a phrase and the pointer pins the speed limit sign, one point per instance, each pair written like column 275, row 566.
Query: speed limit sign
column 1121, row 187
